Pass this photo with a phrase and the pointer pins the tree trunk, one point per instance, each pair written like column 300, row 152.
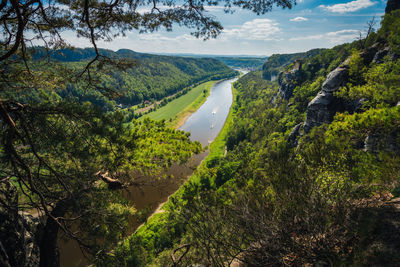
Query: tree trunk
column 49, row 252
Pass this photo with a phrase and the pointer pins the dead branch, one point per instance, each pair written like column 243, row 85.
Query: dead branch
column 177, row 261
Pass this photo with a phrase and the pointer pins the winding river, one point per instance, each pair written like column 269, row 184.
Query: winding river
column 204, row 126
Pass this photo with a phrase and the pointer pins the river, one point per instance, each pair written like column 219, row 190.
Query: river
column 204, row 126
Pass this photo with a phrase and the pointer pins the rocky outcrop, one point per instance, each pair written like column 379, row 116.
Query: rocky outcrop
column 20, row 233
column 289, row 80
column 295, row 133
column 392, row 5
column 383, row 53
column 324, row 106
column 375, row 142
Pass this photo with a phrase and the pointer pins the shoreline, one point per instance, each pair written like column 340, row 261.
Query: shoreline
column 189, row 110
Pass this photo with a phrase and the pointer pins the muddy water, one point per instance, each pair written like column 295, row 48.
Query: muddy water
column 204, row 125
column 146, row 199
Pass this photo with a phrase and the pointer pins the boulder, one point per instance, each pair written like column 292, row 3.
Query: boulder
column 335, row 79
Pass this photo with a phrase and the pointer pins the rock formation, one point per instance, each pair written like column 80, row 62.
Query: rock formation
column 19, row 232
column 324, row 106
column 392, row 5
column 289, row 80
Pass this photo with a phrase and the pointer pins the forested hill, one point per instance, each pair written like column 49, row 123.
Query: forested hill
column 234, row 61
column 151, row 77
column 251, row 63
column 312, row 161
column 277, row 62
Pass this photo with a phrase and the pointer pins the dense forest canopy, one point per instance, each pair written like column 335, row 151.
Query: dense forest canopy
column 68, row 159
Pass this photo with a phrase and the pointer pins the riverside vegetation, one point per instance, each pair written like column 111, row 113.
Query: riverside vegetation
column 295, row 186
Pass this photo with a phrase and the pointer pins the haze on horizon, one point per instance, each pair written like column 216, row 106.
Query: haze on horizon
column 309, row 24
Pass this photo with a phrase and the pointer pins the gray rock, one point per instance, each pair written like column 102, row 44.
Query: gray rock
column 294, row 134
column 369, row 53
column 392, row 5
column 336, row 79
column 324, row 106
column 380, row 55
column 289, row 80
column 374, row 142
column 19, row 232
column 371, row 143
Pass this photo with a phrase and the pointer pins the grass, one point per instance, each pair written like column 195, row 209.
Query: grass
column 178, row 109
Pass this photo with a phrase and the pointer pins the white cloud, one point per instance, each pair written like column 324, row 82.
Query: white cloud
column 337, row 37
column 161, row 38
column 299, row 19
column 257, row 29
column 349, row 7
column 214, row 8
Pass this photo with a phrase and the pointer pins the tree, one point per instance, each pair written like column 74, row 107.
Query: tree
column 67, row 159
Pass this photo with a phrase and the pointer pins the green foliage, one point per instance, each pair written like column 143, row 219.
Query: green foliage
column 151, row 77
column 357, row 68
column 194, row 97
column 389, row 30
column 66, row 149
column 380, row 86
column 276, row 62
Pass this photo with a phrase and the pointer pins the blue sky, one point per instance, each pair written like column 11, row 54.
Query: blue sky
column 309, row 24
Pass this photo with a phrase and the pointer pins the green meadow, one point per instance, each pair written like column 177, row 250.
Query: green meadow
column 178, row 109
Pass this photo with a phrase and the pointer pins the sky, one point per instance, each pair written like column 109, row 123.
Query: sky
column 309, row 24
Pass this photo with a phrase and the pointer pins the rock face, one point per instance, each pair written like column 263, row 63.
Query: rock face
column 19, row 232
column 296, row 131
column 380, row 55
column 289, row 80
column 374, row 142
column 324, row 106
column 392, row 5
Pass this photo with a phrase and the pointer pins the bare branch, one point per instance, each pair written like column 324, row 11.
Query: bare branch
column 177, row 261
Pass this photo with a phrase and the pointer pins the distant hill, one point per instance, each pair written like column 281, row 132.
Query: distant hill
column 235, row 61
column 251, row 63
column 276, row 62
column 153, row 77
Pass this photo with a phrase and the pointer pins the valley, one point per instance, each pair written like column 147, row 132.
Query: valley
column 199, row 150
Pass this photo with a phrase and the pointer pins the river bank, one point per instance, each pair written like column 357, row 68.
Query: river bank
column 175, row 112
